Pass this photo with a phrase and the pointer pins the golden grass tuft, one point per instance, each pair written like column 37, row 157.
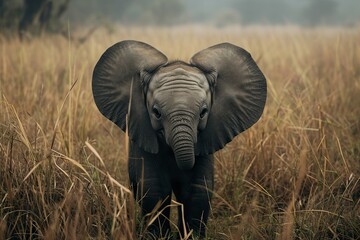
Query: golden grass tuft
column 294, row 175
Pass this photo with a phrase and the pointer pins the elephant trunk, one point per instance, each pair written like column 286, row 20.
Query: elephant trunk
column 182, row 143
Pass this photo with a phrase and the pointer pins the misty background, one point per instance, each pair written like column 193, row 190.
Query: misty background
column 224, row 12
column 52, row 16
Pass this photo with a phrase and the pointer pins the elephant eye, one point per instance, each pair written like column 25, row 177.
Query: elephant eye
column 156, row 112
column 203, row 112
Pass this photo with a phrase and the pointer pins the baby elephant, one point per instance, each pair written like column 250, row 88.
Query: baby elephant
column 177, row 115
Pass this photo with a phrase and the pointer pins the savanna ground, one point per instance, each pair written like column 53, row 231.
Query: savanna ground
column 294, row 175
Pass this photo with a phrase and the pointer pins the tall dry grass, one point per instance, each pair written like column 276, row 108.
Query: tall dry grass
column 294, row 175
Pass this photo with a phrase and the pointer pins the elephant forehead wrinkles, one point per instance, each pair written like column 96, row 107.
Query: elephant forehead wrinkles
column 179, row 78
column 177, row 88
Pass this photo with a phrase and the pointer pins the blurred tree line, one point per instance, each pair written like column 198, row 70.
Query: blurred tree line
column 36, row 16
column 308, row 12
column 32, row 15
column 153, row 12
column 247, row 12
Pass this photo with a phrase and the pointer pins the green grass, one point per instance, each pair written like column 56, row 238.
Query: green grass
column 294, row 175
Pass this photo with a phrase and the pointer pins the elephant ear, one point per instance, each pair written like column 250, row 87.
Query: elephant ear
column 117, row 86
column 239, row 94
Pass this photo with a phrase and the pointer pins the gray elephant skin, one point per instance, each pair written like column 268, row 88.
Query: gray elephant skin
column 177, row 115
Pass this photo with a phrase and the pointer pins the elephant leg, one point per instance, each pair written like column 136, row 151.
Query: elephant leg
column 152, row 190
column 195, row 195
column 155, row 210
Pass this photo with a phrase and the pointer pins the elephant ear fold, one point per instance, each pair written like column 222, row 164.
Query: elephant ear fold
column 117, row 78
column 239, row 94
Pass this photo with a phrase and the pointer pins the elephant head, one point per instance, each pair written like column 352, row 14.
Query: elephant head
column 195, row 108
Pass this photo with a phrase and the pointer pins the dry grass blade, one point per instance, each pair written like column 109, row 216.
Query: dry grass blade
column 93, row 150
column 259, row 188
column 288, row 225
column 127, row 121
column 32, row 170
column 122, row 187
column 111, row 179
column 346, row 165
column 22, row 133
column 62, row 170
column 59, row 113
column 73, row 162
column 216, row 195
column 187, row 235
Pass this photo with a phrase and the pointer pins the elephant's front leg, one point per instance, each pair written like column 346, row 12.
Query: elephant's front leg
column 152, row 189
column 195, row 192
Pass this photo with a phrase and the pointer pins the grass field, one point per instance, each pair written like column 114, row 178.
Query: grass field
column 294, row 175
